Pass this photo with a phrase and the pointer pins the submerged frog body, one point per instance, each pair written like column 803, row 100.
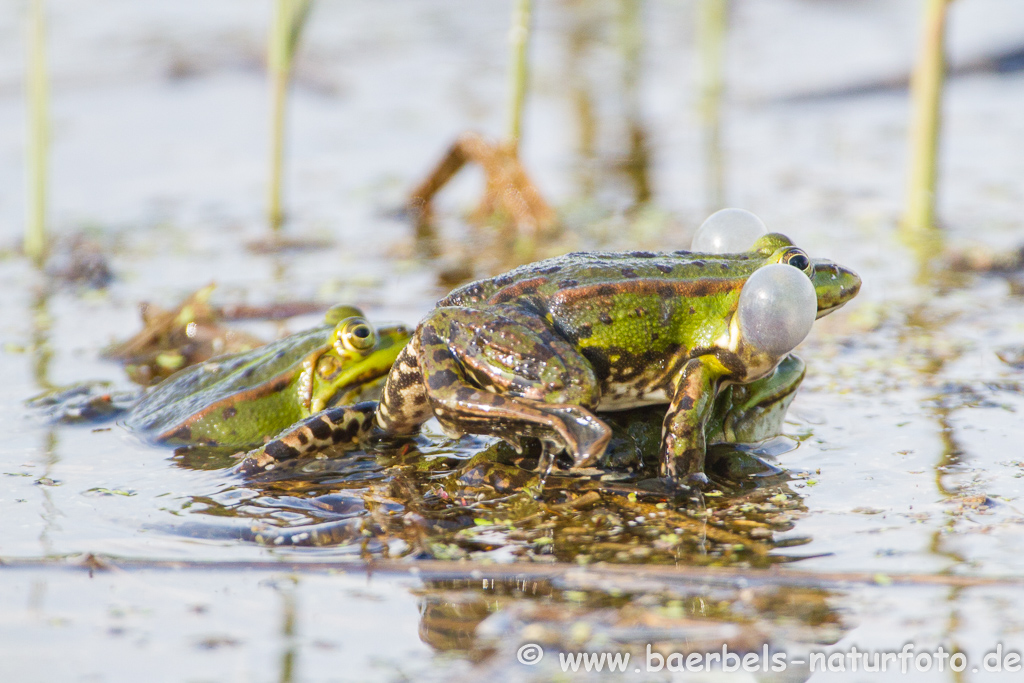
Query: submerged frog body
column 239, row 400
column 536, row 351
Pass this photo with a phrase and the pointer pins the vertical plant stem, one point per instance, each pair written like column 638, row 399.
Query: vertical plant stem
column 519, row 38
column 581, row 40
column 926, row 120
column 631, row 40
column 285, row 33
column 278, row 67
column 38, row 135
column 712, row 23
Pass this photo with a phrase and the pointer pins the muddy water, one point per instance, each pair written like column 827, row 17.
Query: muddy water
column 901, row 515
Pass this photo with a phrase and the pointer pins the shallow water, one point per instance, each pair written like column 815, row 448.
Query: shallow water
column 909, row 461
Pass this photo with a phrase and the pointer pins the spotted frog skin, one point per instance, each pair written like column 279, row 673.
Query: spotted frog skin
column 536, row 351
column 239, row 400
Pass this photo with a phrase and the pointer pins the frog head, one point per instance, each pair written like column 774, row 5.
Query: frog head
column 833, row 284
column 783, row 293
column 355, row 361
column 739, row 231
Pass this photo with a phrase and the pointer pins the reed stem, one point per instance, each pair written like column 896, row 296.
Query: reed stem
column 712, row 23
column 631, row 43
column 38, row 135
column 285, row 34
column 926, row 120
column 519, row 38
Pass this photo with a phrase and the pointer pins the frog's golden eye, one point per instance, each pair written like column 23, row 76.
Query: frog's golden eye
column 356, row 334
column 798, row 259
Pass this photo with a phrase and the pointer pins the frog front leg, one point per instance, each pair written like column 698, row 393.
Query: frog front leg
column 683, row 445
column 504, row 371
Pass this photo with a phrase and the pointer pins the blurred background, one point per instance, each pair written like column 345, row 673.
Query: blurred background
column 139, row 136
column 161, row 122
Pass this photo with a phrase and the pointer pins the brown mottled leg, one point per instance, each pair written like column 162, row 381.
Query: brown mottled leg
column 682, row 442
column 403, row 403
column 503, row 371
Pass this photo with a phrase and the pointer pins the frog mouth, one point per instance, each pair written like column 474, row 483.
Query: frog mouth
column 834, row 286
column 357, row 390
column 822, row 312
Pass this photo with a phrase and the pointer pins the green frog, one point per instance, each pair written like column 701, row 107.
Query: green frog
column 537, row 351
column 237, row 401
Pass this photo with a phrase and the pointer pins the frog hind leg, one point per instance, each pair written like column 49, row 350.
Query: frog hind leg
column 503, row 371
column 341, row 426
column 404, row 405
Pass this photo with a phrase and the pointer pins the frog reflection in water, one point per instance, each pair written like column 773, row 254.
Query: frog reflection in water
column 536, row 351
column 238, row 401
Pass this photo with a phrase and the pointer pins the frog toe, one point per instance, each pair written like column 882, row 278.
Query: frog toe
column 586, row 436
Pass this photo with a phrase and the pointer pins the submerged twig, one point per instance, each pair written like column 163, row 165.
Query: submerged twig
column 428, row 570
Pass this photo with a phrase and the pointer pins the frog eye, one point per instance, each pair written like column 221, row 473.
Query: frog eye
column 729, row 231
column 798, row 259
column 355, row 334
column 776, row 309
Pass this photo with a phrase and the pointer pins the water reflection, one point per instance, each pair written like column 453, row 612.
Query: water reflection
column 287, row 589
column 930, row 342
column 486, row 620
column 476, row 498
column 41, row 358
column 928, row 248
column 42, row 351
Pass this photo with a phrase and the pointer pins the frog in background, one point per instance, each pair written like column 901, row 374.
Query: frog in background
column 240, row 400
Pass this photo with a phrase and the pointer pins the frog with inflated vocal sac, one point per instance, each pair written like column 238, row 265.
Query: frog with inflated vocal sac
column 537, row 351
